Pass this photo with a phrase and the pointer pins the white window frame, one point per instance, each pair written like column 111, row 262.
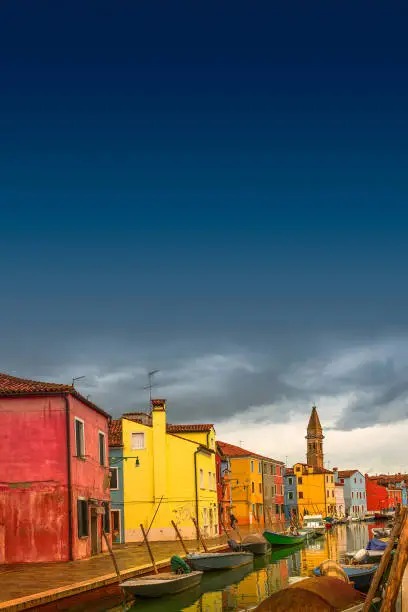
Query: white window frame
column 138, row 433
column 111, row 468
column 202, row 479
column 259, row 467
column 102, row 433
column 210, row 481
column 252, row 466
column 83, row 437
column 290, row 495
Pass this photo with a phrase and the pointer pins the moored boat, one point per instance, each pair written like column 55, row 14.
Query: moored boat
column 159, row 585
column 381, row 532
column 360, row 575
column 281, row 539
column 206, row 562
column 255, row 544
column 314, row 523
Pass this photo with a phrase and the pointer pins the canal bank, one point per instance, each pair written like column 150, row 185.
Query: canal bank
column 32, row 587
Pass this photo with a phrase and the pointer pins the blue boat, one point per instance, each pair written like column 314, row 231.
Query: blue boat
column 360, row 575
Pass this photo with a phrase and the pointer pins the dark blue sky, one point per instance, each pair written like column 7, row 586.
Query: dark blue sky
column 182, row 175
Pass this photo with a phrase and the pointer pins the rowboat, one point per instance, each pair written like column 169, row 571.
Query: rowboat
column 159, row 585
column 280, row 539
column 257, row 547
column 360, row 575
column 205, row 562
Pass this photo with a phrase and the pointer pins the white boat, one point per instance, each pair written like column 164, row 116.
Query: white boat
column 314, row 523
column 205, row 562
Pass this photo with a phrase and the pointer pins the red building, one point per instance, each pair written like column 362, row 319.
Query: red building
column 54, row 474
column 381, row 496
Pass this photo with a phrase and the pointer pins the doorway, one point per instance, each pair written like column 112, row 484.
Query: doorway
column 95, row 538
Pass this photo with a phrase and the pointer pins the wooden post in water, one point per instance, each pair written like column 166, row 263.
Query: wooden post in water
column 111, row 553
column 156, row 571
column 385, row 559
column 200, row 537
column 176, row 529
column 397, row 571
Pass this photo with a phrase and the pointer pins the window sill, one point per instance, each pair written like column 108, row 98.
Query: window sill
column 80, row 457
column 83, row 537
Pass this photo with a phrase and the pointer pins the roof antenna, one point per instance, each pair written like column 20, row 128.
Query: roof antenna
column 77, row 378
column 150, row 386
column 240, row 442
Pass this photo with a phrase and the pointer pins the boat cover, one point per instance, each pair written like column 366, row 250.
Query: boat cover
column 317, row 594
column 375, row 544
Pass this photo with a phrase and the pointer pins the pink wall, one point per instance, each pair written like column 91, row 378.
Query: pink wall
column 89, row 479
column 33, row 480
column 34, row 514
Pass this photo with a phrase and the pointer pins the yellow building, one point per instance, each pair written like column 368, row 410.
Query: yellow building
column 315, row 490
column 246, row 484
column 168, row 474
column 315, row 484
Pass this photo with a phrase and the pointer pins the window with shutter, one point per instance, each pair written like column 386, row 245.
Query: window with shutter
column 82, row 515
column 137, row 441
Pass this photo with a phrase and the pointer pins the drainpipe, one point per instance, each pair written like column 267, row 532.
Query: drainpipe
column 196, row 484
column 68, row 426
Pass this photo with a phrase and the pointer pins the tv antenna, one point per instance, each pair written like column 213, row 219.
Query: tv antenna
column 77, row 378
column 240, row 442
column 150, row 385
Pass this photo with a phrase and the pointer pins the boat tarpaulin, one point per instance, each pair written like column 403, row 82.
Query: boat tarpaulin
column 375, row 544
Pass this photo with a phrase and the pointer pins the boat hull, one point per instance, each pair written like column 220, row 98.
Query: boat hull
column 256, row 548
column 159, row 585
column 360, row 576
column 280, row 539
column 207, row 562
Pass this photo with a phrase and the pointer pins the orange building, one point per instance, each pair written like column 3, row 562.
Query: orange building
column 246, row 477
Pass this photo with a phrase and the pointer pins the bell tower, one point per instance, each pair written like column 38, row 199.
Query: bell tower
column 314, row 441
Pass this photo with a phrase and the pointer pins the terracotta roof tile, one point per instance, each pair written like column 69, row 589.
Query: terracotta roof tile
column 230, row 450
column 115, row 432
column 11, row 386
column 346, row 473
column 197, row 427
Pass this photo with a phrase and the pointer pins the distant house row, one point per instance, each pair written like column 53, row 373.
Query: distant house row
column 72, row 480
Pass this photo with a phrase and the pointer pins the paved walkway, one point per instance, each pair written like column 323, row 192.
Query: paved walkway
column 29, row 579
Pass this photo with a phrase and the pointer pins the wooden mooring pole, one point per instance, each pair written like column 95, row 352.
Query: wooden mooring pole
column 397, row 571
column 385, row 559
column 176, row 529
column 200, row 537
column 156, row 571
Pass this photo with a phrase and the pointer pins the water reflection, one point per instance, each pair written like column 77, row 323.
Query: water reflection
column 245, row 587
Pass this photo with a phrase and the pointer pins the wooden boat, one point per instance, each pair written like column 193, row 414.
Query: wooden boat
column 360, row 575
column 206, row 562
column 370, row 556
column 281, row 539
column 317, row 594
column 255, row 544
column 159, row 585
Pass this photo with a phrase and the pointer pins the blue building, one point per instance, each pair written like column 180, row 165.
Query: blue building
column 290, row 489
column 355, row 498
column 116, row 484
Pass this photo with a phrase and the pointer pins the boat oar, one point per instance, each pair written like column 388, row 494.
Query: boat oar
column 200, row 537
column 156, row 571
column 176, row 529
column 375, row 583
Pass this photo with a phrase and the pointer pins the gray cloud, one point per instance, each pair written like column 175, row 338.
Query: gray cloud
column 360, row 383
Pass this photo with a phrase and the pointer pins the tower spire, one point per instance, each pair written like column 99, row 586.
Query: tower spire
column 314, row 439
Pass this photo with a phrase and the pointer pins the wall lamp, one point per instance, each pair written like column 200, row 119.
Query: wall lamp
column 114, row 460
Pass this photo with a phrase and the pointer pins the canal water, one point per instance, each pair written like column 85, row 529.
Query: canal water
column 247, row 586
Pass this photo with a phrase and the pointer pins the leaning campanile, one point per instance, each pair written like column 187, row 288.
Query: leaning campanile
column 314, row 441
